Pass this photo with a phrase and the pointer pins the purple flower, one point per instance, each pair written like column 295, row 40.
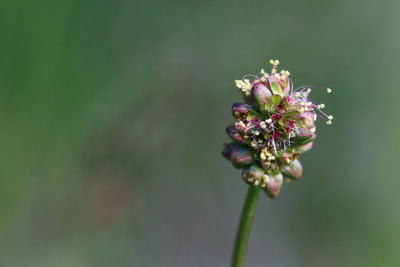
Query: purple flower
column 272, row 128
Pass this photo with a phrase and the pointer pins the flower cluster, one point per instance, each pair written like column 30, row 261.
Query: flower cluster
column 274, row 125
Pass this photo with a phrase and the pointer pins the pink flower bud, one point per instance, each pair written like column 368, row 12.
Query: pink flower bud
column 274, row 185
column 234, row 134
column 239, row 155
column 293, row 171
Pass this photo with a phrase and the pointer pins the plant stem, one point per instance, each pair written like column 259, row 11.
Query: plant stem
column 242, row 235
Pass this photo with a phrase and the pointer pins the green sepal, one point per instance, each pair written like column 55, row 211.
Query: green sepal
column 266, row 109
column 275, row 88
column 301, row 140
column 292, row 114
column 275, row 99
column 266, row 136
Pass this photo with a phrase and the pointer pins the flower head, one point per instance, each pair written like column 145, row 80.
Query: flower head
column 272, row 128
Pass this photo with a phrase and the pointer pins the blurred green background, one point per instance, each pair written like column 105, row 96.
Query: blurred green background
column 113, row 116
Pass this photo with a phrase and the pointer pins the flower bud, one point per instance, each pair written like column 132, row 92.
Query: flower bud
column 305, row 148
column 260, row 94
column 234, row 134
column 240, row 110
column 253, row 173
column 274, row 185
column 293, row 171
column 303, row 138
column 239, row 155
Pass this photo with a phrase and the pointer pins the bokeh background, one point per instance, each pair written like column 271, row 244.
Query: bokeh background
column 113, row 117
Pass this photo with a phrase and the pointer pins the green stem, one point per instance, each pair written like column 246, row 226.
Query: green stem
column 239, row 253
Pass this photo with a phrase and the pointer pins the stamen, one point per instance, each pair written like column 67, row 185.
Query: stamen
column 239, row 83
column 323, row 113
column 273, row 143
column 305, row 87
